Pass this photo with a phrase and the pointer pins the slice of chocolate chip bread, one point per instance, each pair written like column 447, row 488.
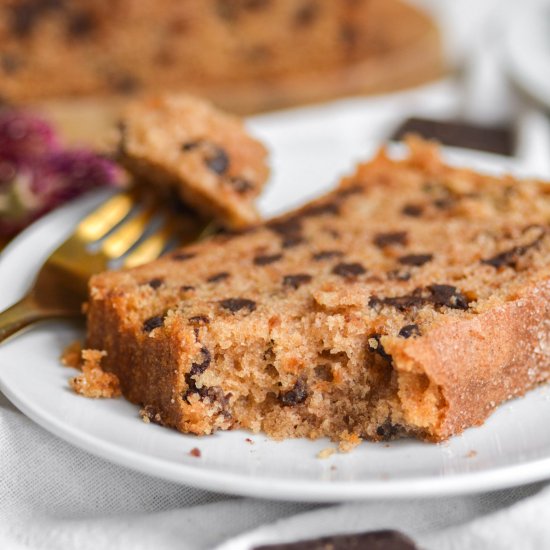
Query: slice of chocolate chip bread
column 183, row 143
column 410, row 301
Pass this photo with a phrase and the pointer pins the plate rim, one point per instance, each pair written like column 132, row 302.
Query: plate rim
column 272, row 487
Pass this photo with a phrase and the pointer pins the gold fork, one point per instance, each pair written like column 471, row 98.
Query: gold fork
column 60, row 287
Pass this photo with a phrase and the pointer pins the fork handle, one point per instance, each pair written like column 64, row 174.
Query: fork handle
column 21, row 315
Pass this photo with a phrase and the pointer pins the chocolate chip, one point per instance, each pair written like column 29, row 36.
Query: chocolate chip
column 191, row 145
column 155, row 283
column 10, row 63
column 297, row 280
column 388, row 430
column 199, row 368
column 350, row 190
column 324, row 372
column 295, row 396
column 236, row 304
column 218, row 277
column 381, row 240
column 509, row 258
column 417, row 260
column 348, row 36
column 153, row 323
column 27, row 14
column 267, row 259
column 306, row 14
column 182, row 256
column 123, row 83
column 348, row 270
column 375, row 345
column 444, row 203
column 437, row 295
column 292, row 241
column 289, row 226
column 81, row 24
column 330, row 208
column 199, row 320
column 216, row 159
column 327, row 255
column 412, row 210
column 241, row 185
column 186, row 288
column 374, row 540
column 409, row 330
column 447, row 295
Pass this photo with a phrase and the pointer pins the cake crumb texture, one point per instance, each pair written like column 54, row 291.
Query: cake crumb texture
column 94, row 381
column 408, row 302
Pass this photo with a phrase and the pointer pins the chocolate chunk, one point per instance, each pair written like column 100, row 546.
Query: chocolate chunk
column 444, row 203
column 81, row 24
column 324, row 372
column 123, row 83
column 388, row 430
column 350, row 190
column 295, row 396
column 218, row 277
column 330, row 208
column 191, row 145
column 10, row 63
column 327, row 255
column 199, row 368
column 376, row 346
column 409, row 330
column 297, row 280
column 437, row 295
column 216, row 159
column 267, row 259
column 401, row 303
column 182, row 256
column 199, row 320
column 156, row 282
column 412, row 210
column 348, row 270
column 509, row 258
column 187, row 288
column 415, row 259
column 373, row 540
column 498, row 140
column 27, row 14
column 236, row 304
column 381, row 240
column 241, row 185
column 447, row 295
column 292, row 241
column 289, row 226
column 153, row 323
column 306, row 14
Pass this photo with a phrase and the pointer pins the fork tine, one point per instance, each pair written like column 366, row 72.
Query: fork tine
column 106, row 217
column 128, row 234
column 150, row 248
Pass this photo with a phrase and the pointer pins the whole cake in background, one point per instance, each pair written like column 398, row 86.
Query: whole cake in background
column 248, row 55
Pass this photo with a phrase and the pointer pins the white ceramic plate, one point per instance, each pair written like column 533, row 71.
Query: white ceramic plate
column 513, row 447
column 527, row 48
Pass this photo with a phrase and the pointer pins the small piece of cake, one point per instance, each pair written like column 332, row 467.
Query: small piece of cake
column 94, row 381
column 183, row 143
column 410, row 301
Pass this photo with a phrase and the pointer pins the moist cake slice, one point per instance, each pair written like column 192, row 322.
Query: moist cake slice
column 184, row 144
column 410, row 301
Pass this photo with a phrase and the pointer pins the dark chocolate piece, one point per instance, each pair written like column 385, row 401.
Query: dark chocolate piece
column 373, row 540
column 218, row 277
column 153, row 323
column 377, row 347
column 409, row 330
column 327, row 255
column 266, row 259
column 381, row 240
column 496, row 139
column 417, row 260
column 297, row 280
column 295, row 396
column 349, row 270
column 412, row 210
column 155, row 283
column 216, row 159
column 236, row 304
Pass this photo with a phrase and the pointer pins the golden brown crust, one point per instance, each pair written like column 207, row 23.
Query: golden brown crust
column 478, row 363
column 375, row 312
